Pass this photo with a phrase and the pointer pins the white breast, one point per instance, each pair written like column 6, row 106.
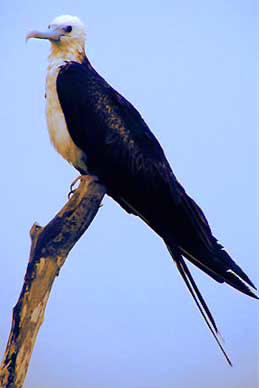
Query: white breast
column 57, row 127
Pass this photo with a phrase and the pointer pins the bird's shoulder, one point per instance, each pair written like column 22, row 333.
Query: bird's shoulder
column 86, row 95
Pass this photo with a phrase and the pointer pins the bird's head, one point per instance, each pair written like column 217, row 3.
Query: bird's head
column 66, row 34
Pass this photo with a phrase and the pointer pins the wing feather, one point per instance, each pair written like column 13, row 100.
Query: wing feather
column 122, row 151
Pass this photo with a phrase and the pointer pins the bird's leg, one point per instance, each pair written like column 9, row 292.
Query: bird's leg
column 79, row 178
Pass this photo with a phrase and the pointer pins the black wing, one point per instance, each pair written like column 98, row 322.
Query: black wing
column 126, row 156
column 118, row 144
column 121, row 150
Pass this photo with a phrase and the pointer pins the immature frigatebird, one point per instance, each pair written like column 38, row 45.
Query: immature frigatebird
column 100, row 133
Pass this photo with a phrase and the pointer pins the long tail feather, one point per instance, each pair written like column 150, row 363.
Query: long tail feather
column 208, row 254
column 232, row 279
column 230, row 272
column 236, row 269
column 198, row 294
column 198, row 298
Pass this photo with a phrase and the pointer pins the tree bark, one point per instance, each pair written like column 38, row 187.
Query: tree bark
column 49, row 249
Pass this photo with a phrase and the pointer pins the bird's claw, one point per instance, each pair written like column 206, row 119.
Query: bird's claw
column 80, row 178
column 71, row 189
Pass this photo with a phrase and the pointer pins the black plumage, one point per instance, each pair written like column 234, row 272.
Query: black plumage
column 125, row 155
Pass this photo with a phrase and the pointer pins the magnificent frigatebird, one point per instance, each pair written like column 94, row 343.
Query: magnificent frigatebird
column 101, row 133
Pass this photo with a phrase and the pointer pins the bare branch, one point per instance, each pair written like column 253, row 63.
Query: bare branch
column 49, row 249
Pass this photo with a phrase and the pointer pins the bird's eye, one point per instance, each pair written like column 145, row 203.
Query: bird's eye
column 68, row 29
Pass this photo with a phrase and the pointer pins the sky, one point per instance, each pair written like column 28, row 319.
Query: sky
column 119, row 314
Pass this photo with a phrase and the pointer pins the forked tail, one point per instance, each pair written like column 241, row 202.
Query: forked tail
column 198, row 298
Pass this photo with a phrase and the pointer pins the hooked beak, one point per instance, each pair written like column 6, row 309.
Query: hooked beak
column 53, row 34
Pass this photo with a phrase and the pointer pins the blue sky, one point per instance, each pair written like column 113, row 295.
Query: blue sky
column 119, row 314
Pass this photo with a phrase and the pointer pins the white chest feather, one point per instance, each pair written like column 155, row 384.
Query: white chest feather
column 57, row 127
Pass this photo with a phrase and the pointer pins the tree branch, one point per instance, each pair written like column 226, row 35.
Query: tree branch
column 49, row 249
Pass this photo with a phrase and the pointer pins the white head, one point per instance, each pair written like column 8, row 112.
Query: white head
column 67, row 36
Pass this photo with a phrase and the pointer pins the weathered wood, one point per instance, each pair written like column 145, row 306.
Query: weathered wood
column 49, row 249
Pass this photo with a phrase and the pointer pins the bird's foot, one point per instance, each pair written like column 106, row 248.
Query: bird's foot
column 80, row 178
column 72, row 189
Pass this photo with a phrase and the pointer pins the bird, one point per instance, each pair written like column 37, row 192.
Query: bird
column 101, row 133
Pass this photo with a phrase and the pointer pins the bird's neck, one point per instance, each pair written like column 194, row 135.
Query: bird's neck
column 63, row 53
